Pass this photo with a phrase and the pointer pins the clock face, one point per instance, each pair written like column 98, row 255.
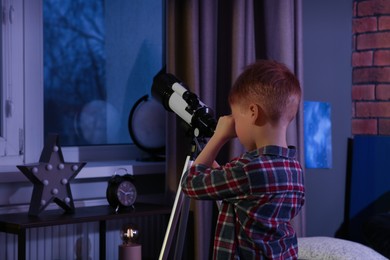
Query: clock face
column 126, row 193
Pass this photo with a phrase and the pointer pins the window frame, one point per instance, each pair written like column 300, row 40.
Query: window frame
column 11, row 145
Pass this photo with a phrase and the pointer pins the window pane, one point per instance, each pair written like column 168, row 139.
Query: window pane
column 99, row 59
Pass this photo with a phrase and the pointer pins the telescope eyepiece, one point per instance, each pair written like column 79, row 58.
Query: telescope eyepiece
column 192, row 100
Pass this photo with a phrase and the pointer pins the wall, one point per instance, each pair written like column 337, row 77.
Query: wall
column 371, row 67
column 327, row 47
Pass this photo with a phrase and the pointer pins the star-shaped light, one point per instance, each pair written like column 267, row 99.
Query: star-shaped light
column 51, row 178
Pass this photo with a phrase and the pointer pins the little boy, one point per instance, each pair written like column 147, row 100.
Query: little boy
column 262, row 190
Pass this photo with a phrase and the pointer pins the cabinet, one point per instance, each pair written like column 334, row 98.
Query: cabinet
column 18, row 223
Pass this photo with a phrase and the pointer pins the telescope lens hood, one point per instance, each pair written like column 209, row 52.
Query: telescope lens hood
column 162, row 88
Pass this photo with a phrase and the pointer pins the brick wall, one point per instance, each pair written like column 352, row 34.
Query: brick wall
column 371, row 67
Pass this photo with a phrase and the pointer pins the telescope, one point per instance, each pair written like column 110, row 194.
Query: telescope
column 175, row 97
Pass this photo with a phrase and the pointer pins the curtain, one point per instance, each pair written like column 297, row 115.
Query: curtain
column 208, row 44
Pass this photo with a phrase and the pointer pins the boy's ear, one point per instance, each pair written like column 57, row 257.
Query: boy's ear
column 256, row 114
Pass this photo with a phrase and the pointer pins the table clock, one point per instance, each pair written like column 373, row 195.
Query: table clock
column 121, row 192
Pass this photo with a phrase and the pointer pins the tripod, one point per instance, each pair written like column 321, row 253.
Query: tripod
column 180, row 205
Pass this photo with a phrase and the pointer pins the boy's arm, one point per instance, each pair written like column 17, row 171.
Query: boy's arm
column 207, row 156
column 223, row 133
column 205, row 179
column 215, row 164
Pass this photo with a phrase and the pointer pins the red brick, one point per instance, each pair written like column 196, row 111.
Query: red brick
column 354, row 10
column 364, row 126
column 384, row 126
column 363, row 58
column 373, row 109
column 383, row 92
column 363, row 92
column 384, row 23
column 382, row 58
column 373, row 40
column 365, row 24
column 373, row 7
column 371, row 75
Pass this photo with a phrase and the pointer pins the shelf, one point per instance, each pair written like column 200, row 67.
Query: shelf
column 12, row 223
column 17, row 223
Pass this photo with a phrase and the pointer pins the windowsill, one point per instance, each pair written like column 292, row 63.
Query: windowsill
column 93, row 170
column 107, row 169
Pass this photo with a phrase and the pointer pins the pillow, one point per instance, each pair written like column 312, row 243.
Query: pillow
column 326, row 248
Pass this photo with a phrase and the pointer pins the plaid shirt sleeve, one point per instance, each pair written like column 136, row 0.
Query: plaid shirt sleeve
column 260, row 192
column 200, row 182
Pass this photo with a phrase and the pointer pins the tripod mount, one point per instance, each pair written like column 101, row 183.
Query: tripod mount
column 179, row 215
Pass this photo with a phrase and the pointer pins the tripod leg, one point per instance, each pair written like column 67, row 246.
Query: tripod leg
column 181, row 233
column 177, row 207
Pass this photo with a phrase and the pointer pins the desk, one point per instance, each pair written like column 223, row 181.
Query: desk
column 18, row 223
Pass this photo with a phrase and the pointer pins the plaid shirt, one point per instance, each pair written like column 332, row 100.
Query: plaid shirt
column 261, row 191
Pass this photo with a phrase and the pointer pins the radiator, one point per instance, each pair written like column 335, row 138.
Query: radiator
column 81, row 241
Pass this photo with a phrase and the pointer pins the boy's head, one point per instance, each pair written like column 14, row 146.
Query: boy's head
column 271, row 86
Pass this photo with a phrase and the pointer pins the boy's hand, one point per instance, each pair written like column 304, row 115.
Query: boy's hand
column 225, row 129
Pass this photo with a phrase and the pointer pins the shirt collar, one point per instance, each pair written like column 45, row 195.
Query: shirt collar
column 274, row 150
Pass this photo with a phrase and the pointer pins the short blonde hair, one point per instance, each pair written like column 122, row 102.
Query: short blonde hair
column 271, row 85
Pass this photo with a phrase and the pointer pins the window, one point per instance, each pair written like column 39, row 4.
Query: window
column 99, row 58
column 117, row 51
